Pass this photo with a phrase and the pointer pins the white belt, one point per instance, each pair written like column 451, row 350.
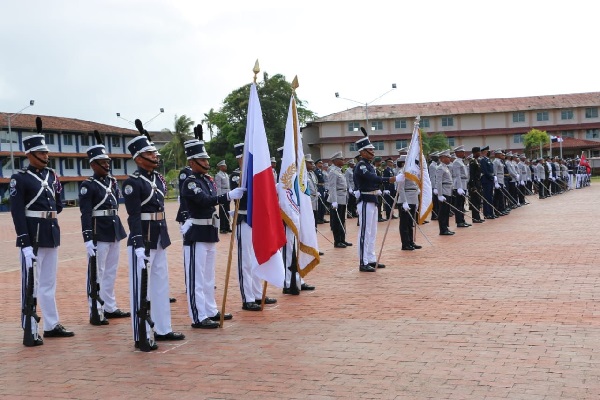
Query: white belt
column 158, row 216
column 199, row 221
column 242, row 212
column 104, row 213
column 41, row 214
column 374, row 192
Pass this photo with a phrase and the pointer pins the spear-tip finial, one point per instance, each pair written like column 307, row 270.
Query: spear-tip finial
column 256, row 69
column 295, row 83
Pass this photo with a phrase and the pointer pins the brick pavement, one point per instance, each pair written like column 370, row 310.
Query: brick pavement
column 502, row 310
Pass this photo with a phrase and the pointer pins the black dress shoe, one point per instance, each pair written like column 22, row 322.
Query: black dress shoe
column 381, row 220
column 325, row 221
column 489, row 217
column 306, row 286
column 366, row 268
column 321, row 253
column 217, row 317
column 268, row 300
column 206, row 323
column 347, row 244
column 251, row 307
column 463, row 225
column 478, row 221
column 58, row 331
column 291, row 290
column 98, row 323
column 416, row 246
column 380, row 265
column 36, row 342
column 170, row 336
column 117, row 314
column 172, row 299
column 340, row 245
column 408, row 247
column 151, row 347
column 394, row 217
column 447, row 233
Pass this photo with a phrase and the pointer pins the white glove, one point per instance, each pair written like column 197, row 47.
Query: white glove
column 553, row 179
column 350, row 191
column 140, row 253
column 334, row 204
column 497, row 186
column 518, row 176
column 400, row 177
column 378, row 192
column 29, row 256
column 495, row 179
column 405, row 206
column 89, row 245
column 185, row 226
column 236, row 193
column 178, row 200
column 441, row 198
column 522, row 183
column 357, row 194
column 386, row 192
column 460, row 191
column 435, row 191
column 318, row 194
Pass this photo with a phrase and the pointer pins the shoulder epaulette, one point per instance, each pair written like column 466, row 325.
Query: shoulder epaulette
column 23, row 170
column 136, row 174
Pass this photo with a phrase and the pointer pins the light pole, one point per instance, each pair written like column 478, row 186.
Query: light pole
column 162, row 110
column 12, row 156
column 367, row 103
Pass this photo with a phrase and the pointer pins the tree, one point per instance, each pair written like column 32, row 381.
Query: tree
column 173, row 153
column 535, row 139
column 229, row 123
column 433, row 142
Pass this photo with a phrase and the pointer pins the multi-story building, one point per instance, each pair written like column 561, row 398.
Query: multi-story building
column 499, row 123
column 68, row 140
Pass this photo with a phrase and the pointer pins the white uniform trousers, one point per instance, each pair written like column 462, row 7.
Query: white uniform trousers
column 158, row 290
column 107, row 263
column 250, row 285
column 367, row 234
column 287, row 258
column 44, row 288
column 200, row 259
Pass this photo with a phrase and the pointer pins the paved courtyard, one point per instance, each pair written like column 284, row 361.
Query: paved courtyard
column 508, row 309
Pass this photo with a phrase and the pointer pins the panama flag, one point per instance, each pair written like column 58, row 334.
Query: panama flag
column 263, row 207
column 294, row 195
column 416, row 170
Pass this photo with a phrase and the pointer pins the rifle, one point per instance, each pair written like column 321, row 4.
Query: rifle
column 94, row 287
column 143, row 314
column 29, row 310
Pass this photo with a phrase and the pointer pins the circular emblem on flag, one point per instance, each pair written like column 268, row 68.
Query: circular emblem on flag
column 192, row 185
column 128, row 190
column 182, row 176
column 13, row 183
column 83, row 190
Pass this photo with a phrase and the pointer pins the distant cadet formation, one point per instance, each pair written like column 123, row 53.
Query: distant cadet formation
column 489, row 188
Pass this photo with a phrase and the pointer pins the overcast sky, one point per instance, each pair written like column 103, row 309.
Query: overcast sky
column 90, row 59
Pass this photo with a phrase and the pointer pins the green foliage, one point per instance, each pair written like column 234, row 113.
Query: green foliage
column 433, row 142
column 534, row 138
column 173, row 153
column 228, row 125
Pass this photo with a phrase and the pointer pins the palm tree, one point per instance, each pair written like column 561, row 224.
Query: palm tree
column 173, row 152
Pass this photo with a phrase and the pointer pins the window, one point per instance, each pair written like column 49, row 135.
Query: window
column 353, row 147
column 400, row 124
column 353, row 126
column 115, row 141
column 376, row 125
column 591, row 112
column 424, row 123
column 400, row 144
column 4, row 137
column 592, row 134
column 542, row 116
column 518, row 138
column 566, row 114
column 116, row 163
column 49, row 139
column 570, row 134
column 451, row 141
column 7, row 164
column 85, row 163
column 69, row 163
column 518, row 117
column 447, row 121
column 378, row 145
column 85, row 140
column 68, row 140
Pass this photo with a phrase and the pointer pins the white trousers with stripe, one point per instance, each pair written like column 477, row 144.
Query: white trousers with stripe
column 250, row 285
column 44, row 288
column 367, row 232
column 200, row 259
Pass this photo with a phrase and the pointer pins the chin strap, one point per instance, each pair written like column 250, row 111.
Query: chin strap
column 45, row 162
column 200, row 165
column 103, row 167
column 149, row 160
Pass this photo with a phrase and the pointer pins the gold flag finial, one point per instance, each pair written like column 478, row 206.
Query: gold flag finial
column 256, row 69
column 295, row 83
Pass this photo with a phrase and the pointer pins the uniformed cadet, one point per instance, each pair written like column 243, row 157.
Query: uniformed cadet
column 35, row 203
column 102, row 230
column 524, row 177
column 223, row 187
column 408, row 198
column 460, row 181
column 443, row 181
column 368, row 184
column 144, row 192
column 474, row 185
column 234, row 180
column 349, row 175
column 514, row 177
column 321, row 188
column 499, row 184
column 487, row 183
column 540, row 176
column 200, row 238
column 432, row 168
column 377, row 164
column 274, row 168
column 250, row 285
column 338, row 195
column 313, row 186
column 389, row 189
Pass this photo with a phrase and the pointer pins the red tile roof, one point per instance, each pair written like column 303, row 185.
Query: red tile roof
column 459, row 107
column 60, row 124
column 573, row 143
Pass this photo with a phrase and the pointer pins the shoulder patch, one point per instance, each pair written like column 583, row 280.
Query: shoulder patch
column 83, row 191
column 128, row 189
column 191, row 185
column 182, row 176
column 13, row 182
